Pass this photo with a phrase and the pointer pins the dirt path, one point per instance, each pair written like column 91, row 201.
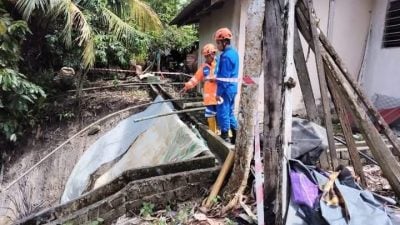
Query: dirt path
column 44, row 185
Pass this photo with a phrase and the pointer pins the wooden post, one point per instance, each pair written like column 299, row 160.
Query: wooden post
column 340, row 107
column 273, row 72
column 304, row 79
column 289, row 83
column 388, row 163
column 323, row 87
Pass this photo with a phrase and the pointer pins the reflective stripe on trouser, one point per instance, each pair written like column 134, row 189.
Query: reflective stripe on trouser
column 211, row 111
column 225, row 115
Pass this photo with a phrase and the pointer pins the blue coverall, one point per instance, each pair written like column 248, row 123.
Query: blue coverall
column 227, row 76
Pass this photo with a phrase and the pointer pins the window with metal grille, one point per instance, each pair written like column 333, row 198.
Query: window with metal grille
column 391, row 36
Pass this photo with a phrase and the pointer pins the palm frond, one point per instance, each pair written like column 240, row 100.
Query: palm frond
column 139, row 13
column 88, row 55
column 122, row 30
column 27, row 7
column 76, row 19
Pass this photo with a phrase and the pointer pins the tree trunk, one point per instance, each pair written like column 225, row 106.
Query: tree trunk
column 248, row 104
column 273, row 87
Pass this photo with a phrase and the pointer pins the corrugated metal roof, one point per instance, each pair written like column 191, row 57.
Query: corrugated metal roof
column 390, row 115
column 194, row 10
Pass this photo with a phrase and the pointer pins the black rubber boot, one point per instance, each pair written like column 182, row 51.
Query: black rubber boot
column 225, row 137
column 233, row 138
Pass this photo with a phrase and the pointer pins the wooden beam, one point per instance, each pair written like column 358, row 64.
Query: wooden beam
column 304, row 79
column 388, row 163
column 378, row 119
column 340, row 106
column 323, row 87
column 273, row 72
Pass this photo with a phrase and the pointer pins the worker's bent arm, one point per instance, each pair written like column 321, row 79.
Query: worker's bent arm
column 198, row 77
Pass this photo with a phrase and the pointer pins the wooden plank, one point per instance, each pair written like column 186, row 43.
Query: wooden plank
column 273, row 72
column 305, row 85
column 304, row 79
column 323, row 87
column 382, row 154
column 290, row 71
column 340, row 107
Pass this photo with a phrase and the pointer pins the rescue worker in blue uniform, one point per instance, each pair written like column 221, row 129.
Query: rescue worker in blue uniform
column 227, row 84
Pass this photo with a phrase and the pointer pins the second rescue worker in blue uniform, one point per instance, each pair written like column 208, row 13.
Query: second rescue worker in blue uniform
column 227, row 84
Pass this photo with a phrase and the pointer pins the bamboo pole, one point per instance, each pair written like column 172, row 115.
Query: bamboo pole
column 220, row 180
column 187, row 105
column 125, row 85
column 168, row 114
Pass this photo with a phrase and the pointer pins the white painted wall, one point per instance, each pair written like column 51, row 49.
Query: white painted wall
column 350, row 31
column 383, row 64
column 233, row 16
column 224, row 17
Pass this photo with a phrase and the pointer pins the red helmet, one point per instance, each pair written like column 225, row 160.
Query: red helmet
column 222, row 34
column 209, row 49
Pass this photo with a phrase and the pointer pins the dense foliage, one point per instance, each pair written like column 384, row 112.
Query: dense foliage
column 38, row 37
column 17, row 94
column 172, row 37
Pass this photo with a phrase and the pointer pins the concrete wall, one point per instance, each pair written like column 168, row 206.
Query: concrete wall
column 382, row 75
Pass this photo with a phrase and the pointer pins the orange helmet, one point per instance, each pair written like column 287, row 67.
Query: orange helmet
column 209, row 49
column 222, row 34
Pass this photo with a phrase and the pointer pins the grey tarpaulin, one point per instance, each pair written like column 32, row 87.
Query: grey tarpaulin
column 147, row 143
column 309, row 140
column 363, row 208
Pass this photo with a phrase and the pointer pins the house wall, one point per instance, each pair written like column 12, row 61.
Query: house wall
column 224, row 17
column 350, row 32
column 351, row 27
column 233, row 16
column 382, row 74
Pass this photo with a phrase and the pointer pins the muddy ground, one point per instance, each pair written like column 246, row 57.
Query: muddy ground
column 43, row 187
